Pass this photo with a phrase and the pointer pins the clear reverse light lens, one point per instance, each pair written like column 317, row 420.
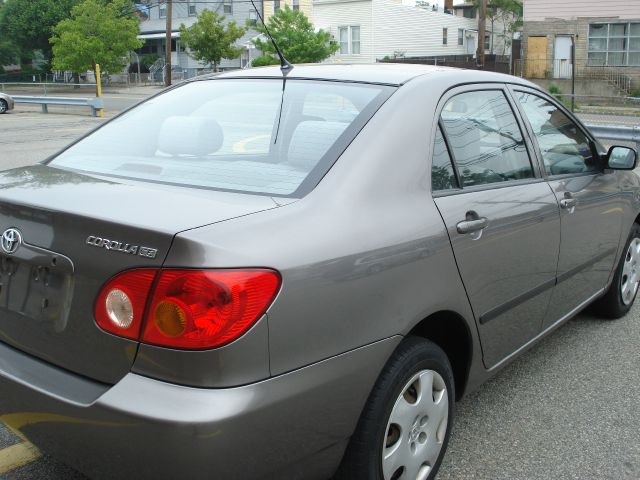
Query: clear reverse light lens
column 119, row 308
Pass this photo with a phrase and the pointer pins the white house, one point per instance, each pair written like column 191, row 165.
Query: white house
column 368, row 30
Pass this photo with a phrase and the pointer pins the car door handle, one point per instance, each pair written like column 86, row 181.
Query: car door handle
column 470, row 226
column 567, row 203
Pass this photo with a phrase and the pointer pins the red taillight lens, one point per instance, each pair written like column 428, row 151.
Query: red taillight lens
column 189, row 309
column 119, row 308
column 206, row 309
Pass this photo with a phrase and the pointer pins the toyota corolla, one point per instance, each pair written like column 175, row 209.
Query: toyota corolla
column 296, row 275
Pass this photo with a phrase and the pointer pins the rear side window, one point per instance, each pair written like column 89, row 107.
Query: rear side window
column 255, row 136
column 485, row 139
column 442, row 174
column 564, row 148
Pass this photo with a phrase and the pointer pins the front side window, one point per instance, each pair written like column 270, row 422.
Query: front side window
column 485, row 138
column 191, row 9
column 228, row 7
column 239, row 135
column 442, row 173
column 460, row 36
column 444, row 36
column 296, row 5
column 614, row 44
column 276, row 6
column 565, row 149
column 162, row 11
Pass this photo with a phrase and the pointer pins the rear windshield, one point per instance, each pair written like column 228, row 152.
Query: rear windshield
column 256, row 136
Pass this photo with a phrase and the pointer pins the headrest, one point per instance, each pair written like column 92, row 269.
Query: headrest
column 194, row 136
column 311, row 140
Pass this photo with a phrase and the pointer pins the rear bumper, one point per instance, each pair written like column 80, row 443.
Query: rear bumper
column 292, row 426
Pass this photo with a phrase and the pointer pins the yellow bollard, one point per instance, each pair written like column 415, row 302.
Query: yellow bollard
column 99, row 89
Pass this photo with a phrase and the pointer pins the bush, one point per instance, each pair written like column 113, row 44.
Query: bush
column 554, row 90
column 264, row 61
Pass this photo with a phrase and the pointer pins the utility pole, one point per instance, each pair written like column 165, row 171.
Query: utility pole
column 482, row 28
column 167, row 66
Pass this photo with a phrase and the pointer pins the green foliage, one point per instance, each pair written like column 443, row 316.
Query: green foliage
column 294, row 34
column 554, row 90
column 149, row 59
column 9, row 53
column 264, row 61
column 210, row 40
column 97, row 32
column 29, row 23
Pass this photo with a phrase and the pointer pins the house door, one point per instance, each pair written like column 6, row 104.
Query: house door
column 562, row 64
column 472, row 45
column 536, row 57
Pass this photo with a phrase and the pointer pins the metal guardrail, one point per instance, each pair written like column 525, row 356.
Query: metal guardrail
column 617, row 132
column 94, row 103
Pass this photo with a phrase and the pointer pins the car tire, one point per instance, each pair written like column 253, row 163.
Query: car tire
column 4, row 106
column 624, row 287
column 403, row 433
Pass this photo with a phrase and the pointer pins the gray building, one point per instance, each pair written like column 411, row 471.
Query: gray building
column 153, row 30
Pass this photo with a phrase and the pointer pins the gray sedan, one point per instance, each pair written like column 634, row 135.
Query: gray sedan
column 258, row 275
column 6, row 103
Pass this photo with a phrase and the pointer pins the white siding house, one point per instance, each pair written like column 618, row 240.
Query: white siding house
column 368, row 30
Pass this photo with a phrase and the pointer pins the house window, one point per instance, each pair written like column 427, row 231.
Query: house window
column 296, row 4
column 162, row 10
column 191, row 9
column 355, row 40
column 227, row 7
column 253, row 18
column 349, row 40
column 460, row 36
column 614, row 44
column 344, row 40
column 469, row 13
column 444, row 36
column 487, row 42
column 276, row 6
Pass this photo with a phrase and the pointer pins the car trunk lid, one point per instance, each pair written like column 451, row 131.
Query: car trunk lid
column 77, row 231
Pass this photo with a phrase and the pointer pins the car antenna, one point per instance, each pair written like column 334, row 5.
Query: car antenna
column 285, row 66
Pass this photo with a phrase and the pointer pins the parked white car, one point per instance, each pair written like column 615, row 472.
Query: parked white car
column 6, row 103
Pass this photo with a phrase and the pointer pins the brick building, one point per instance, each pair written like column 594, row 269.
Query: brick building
column 606, row 36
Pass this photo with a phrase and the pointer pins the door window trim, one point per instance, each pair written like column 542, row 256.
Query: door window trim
column 513, row 91
column 532, row 154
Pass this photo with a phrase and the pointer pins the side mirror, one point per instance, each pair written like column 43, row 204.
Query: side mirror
column 621, row 158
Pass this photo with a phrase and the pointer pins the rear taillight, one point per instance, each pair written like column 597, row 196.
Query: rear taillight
column 119, row 308
column 185, row 309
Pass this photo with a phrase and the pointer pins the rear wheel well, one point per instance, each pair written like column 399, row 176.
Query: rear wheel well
column 451, row 333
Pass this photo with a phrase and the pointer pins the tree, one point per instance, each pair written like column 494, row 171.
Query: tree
column 507, row 12
column 210, row 40
column 296, row 38
column 29, row 23
column 96, row 33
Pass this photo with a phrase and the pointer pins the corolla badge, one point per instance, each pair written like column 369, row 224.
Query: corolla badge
column 11, row 240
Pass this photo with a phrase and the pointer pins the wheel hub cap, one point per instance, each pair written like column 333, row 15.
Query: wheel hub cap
column 630, row 272
column 416, row 428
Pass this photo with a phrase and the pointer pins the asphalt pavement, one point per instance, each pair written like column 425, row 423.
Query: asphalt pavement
column 567, row 409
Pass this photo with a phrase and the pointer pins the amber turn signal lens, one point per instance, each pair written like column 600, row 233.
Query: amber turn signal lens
column 170, row 318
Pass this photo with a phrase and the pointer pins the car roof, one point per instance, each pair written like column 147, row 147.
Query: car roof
column 380, row 73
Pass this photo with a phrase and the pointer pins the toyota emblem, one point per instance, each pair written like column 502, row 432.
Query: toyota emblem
column 11, row 240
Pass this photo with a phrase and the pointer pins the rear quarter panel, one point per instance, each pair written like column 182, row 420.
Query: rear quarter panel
column 363, row 257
